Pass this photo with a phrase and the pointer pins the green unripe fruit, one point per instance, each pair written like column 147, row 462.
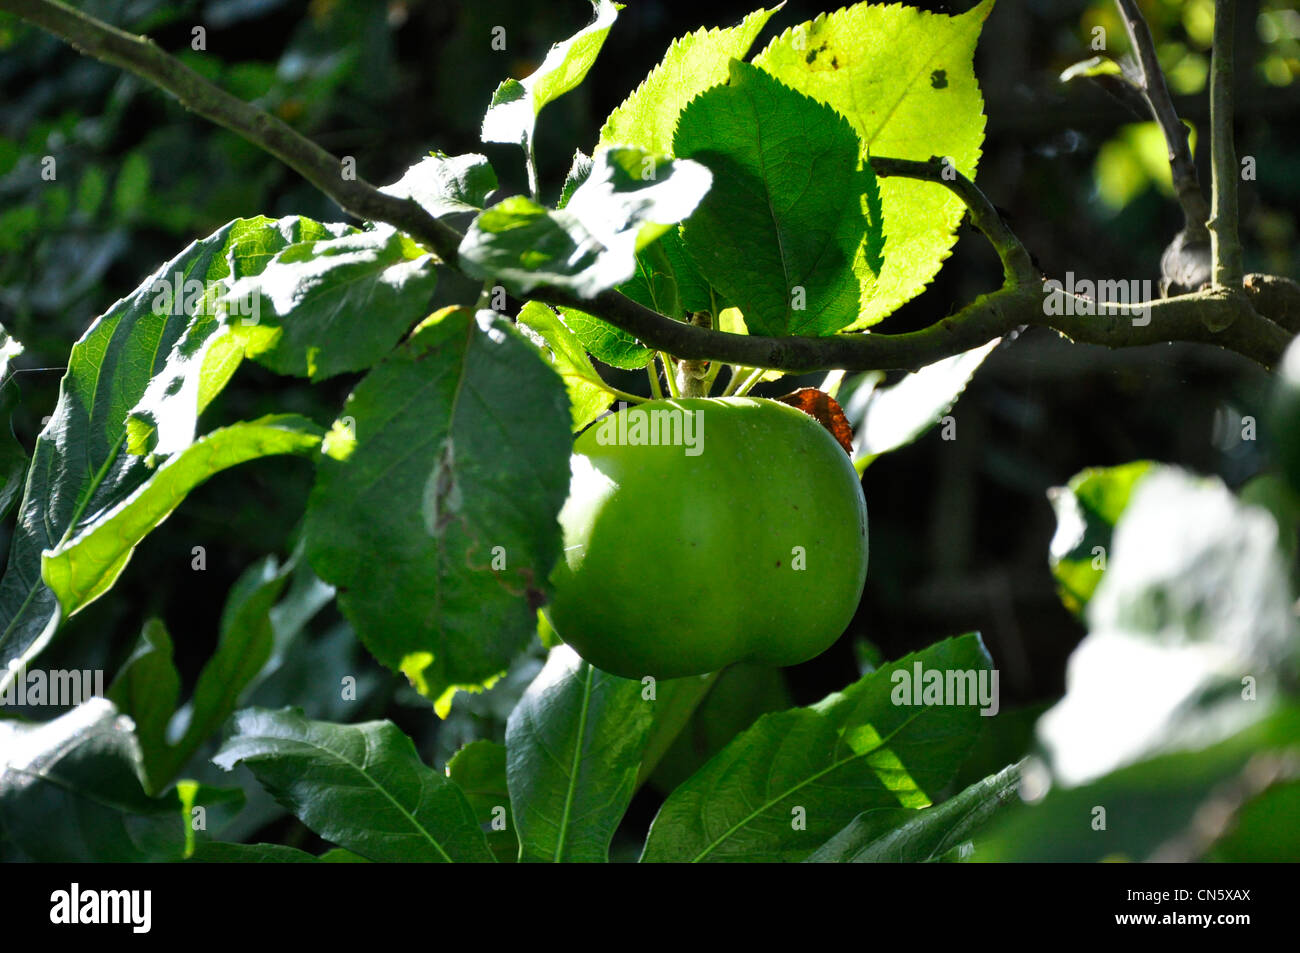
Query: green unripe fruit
column 700, row 532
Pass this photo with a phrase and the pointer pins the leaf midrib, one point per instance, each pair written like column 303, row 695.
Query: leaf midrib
column 808, row 780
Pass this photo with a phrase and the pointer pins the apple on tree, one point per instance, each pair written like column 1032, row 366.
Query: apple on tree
column 680, row 560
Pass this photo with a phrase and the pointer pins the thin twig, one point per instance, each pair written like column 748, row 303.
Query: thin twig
column 1225, row 244
column 1017, row 266
column 1154, row 90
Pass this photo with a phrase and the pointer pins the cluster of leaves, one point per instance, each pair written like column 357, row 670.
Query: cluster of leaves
column 742, row 188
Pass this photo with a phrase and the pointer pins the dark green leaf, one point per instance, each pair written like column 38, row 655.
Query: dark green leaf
column 360, row 786
column 905, row 79
column 794, row 258
column 794, row 779
column 653, row 285
column 479, row 770
column 741, row 694
column 70, row 791
column 164, row 351
column 573, row 746
column 467, row 427
column 148, row 686
column 897, row 835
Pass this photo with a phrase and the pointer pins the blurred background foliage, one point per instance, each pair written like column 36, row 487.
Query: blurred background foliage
column 959, row 528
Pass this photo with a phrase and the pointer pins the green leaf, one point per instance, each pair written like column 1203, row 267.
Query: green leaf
column 467, row 425
column 215, row 852
column 360, row 786
column 693, row 292
column 479, row 770
column 629, row 199
column 904, row 78
column 147, row 687
column 1150, row 807
column 787, row 254
column 336, row 305
column 516, row 104
column 573, row 746
column 900, row 836
column 884, row 419
column 589, row 395
column 340, row 856
column 653, row 285
column 163, row 352
column 1087, row 509
column 1190, row 631
column 83, row 567
column 1008, row 737
column 579, row 172
column 606, row 343
column 447, row 185
column 70, row 792
column 693, row 63
column 857, row 750
column 742, row 693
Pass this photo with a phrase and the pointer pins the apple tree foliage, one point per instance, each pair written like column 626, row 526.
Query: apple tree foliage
column 736, row 181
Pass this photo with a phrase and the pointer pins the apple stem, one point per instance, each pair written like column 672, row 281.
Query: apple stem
column 692, row 376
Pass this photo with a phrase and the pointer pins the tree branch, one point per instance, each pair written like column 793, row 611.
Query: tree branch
column 1225, row 244
column 1017, row 266
column 1154, row 90
column 1225, row 320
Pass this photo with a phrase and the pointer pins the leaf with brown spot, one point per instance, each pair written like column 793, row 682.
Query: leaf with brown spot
column 825, row 410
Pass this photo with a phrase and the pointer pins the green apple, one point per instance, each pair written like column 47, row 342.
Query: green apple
column 700, row 532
